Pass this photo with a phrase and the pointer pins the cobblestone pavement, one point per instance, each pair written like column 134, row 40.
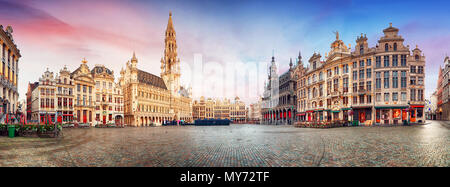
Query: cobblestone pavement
column 235, row 145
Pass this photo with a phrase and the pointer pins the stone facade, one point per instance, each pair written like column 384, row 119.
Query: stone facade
column 43, row 99
column 107, row 97
column 220, row 109
column 84, row 105
column 151, row 100
column 279, row 102
column 65, row 95
column 443, row 92
column 9, row 71
column 378, row 85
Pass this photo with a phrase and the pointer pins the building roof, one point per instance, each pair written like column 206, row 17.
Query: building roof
column 150, row 79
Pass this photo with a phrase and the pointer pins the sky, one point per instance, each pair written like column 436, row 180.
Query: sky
column 234, row 39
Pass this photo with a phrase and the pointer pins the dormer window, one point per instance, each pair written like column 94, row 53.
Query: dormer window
column 361, row 49
column 314, row 65
column 395, row 46
column 417, row 57
column 386, row 47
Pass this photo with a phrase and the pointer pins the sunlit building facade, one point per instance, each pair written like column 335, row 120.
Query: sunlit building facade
column 150, row 99
column 378, row 85
column 9, row 71
column 84, row 105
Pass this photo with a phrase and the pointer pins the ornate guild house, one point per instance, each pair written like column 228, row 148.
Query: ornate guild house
column 370, row 85
column 9, row 71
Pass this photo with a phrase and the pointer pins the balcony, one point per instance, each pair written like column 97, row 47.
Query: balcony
column 362, row 91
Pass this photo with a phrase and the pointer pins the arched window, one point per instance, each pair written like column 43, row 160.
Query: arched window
column 314, row 65
column 395, row 46
column 386, row 47
column 361, row 49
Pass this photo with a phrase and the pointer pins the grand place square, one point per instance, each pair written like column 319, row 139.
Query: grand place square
column 169, row 84
column 240, row 145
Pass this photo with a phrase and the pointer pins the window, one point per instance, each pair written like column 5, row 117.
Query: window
column 378, row 80
column 361, row 63
column 320, row 76
column 345, row 84
column 97, row 84
column 346, row 68
column 355, row 87
column 361, row 99
column 369, row 99
column 355, row 100
column 395, row 79
column 369, row 73
column 403, row 96
column 369, row 62
column 403, row 81
column 420, row 94
column 412, row 81
column 394, row 60
column 78, row 87
column 361, row 86
column 378, row 97
column 386, row 79
column 336, row 70
column 354, row 65
column 395, row 46
column 386, row 61
column 386, row 97
column 355, row 75
column 403, row 60
column 336, row 83
column 419, row 80
column 413, row 94
column 420, row 69
column 413, row 69
column 395, row 96
column 378, row 61
column 361, row 49
column 369, row 85
column 361, row 74
column 314, row 65
column 417, row 57
column 321, row 90
column 386, row 47
column 84, row 89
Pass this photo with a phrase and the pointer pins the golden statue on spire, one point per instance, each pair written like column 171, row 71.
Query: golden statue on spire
column 337, row 35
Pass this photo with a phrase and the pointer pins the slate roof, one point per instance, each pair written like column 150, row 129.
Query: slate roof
column 150, row 79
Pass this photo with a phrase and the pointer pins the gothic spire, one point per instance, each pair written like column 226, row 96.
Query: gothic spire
column 134, row 59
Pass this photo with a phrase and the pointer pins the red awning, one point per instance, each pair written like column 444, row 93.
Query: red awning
column 301, row 114
column 417, row 106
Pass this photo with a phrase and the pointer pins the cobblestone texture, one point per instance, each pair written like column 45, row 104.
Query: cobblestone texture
column 235, row 145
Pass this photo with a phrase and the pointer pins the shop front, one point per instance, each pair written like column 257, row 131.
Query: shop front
column 346, row 113
column 362, row 114
column 391, row 114
column 416, row 113
column 302, row 116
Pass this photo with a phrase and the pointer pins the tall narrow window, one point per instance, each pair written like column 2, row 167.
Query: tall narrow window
column 395, row 46
column 386, row 47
